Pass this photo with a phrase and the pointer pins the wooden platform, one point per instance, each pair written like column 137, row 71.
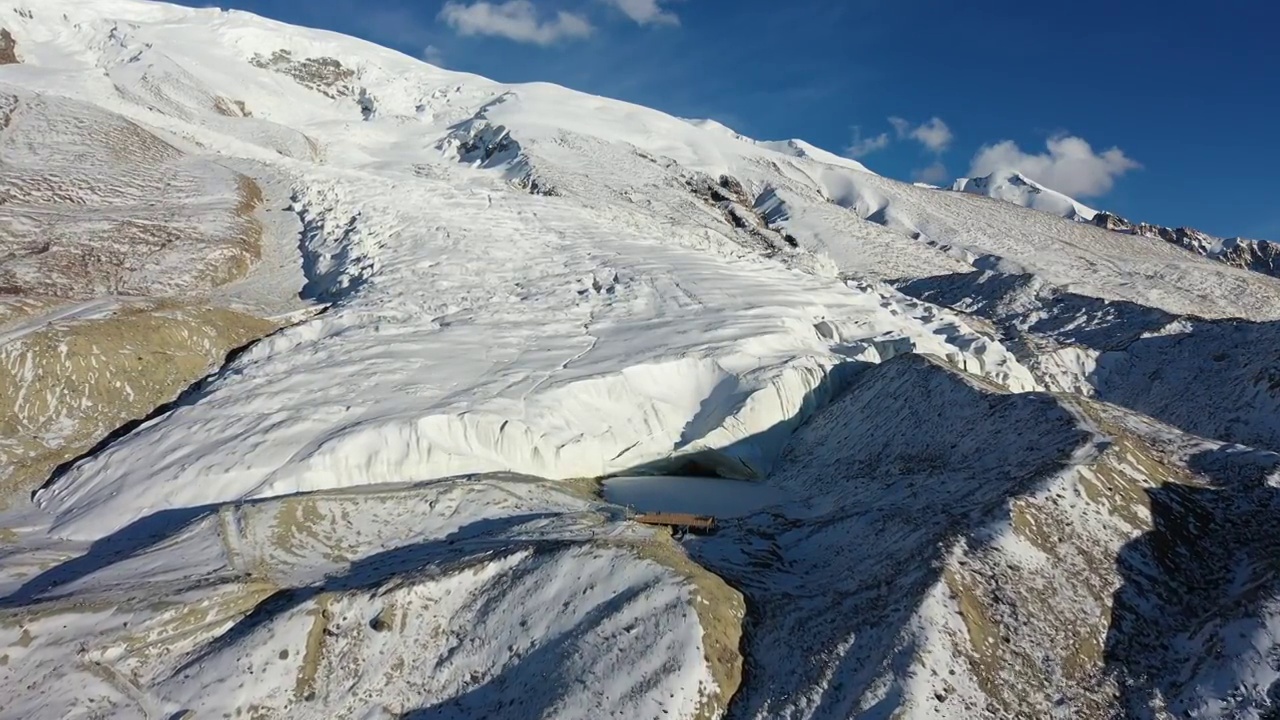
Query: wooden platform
column 678, row 521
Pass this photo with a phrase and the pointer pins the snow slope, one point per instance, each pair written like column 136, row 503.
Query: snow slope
column 370, row 604
column 1016, row 188
column 920, row 571
column 499, row 279
column 61, row 155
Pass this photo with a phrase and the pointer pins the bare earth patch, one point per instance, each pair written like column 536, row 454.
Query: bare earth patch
column 69, row 384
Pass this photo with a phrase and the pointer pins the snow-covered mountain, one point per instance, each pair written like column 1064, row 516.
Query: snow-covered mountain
column 317, row 362
column 1012, row 186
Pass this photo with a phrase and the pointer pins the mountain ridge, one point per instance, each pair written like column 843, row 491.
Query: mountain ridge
column 1258, row 255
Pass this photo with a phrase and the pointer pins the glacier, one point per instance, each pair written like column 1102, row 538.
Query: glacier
column 428, row 319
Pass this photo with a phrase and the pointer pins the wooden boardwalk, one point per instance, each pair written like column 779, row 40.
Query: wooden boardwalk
column 678, row 521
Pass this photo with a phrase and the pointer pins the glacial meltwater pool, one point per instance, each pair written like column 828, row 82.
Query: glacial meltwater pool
column 698, row 495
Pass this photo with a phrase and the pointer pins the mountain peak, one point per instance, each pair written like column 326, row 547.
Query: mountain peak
column 1012, row 186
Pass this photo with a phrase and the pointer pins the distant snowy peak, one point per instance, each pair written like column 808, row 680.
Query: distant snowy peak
column 1017, row 188
column 1257, row 255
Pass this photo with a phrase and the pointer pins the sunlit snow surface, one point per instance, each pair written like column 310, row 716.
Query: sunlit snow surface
column 1016, row 188
column 522, row 279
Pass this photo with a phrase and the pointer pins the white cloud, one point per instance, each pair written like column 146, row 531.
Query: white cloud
column 645, row 12
column 865, row 146
column 933, row 133
column 1070, row 166
column 933, row 174
column 433, row 55
column 515, row 20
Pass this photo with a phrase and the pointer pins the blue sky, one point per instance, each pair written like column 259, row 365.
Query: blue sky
column 1166, row 112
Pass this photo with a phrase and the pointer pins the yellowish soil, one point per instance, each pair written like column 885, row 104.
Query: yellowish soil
column 64, row 387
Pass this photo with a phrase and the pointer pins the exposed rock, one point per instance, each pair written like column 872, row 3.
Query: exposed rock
column 8, row 48
column 1257, row 255
column 741, row 211
column 1110, row 221
column 230, row 108
column 477, row 142
column 732, row 185
column 536, row 185
column 368, row 104
column 325, row 75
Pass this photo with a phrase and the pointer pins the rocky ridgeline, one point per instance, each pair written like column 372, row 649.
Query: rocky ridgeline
column 1257, row 255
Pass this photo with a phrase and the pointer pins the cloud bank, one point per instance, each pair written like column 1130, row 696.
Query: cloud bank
column 933, row 133
column 1070, row 166
column 865, row 146
column 515, row 20
column 433, row 55
column 933, row 174
column 645, row 12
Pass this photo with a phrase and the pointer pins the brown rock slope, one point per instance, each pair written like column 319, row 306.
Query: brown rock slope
column 72, row 382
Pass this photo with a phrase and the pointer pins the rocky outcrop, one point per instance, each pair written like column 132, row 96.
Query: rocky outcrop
column 1109, row 221
column 1257, row 255
column 8, row 48
column 325, row 75
column 741, row 211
